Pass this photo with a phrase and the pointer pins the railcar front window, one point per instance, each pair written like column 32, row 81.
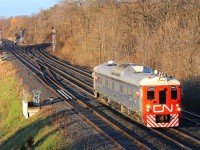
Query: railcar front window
column 174, row 94
column 150, row 95
column 162, row 96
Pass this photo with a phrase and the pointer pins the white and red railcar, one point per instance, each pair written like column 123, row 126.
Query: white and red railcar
column 135, row 90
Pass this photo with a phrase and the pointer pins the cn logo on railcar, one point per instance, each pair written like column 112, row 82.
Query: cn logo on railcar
column 162, row 108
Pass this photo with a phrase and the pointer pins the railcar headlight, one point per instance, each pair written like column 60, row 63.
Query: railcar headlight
column 179, row 109
column 177, row 105
column 147, row 106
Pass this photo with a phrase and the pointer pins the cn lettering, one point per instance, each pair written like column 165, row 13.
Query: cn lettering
column 162, row 108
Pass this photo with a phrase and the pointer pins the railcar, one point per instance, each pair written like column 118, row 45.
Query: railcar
column 152, row 98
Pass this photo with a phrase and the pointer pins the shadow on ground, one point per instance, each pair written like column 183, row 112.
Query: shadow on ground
column 19, row 138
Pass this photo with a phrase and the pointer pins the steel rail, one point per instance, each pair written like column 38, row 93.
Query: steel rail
column 65, row 74
column 191, row 113
column 81, row 72
column 35, row 74
column 197, row 123
column 192, row 118
column 60, row 71
column 185, row 135
column 64, row 77
column 171, row 139
column 139, row 144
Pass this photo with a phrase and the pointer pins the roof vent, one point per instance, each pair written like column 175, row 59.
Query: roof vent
column 111, row 63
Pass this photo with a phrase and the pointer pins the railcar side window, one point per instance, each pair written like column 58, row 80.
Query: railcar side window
column 110, row 84
column 103, row 81
column 106, row 82
column 129, row 91
column 100, row 80
column 174, row 94
column 150, row 95
column 113, row 85
column 117, row 86
column 125, row 89
column 121, row 88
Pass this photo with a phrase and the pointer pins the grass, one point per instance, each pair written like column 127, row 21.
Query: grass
column 14, row 128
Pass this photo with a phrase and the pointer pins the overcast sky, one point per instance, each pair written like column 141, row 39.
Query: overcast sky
column 13, row 8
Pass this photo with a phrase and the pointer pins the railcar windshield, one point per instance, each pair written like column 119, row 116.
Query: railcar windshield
column 150, row 95
column 162, row 96
column 174, row 94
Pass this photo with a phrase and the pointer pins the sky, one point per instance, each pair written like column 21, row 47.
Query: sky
column 12, row 8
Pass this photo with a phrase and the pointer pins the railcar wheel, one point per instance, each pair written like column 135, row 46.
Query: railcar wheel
column 139, row 119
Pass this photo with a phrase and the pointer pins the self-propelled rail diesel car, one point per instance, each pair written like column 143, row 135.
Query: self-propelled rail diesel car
column 152, row 98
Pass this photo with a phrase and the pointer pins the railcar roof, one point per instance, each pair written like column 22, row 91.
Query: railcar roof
column 131, row 73
column 134, row 74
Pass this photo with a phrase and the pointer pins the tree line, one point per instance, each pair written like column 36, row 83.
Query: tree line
column 161, row 34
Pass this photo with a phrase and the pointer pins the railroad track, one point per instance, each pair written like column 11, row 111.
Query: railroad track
column 107, row 130
column 161, row 139
column 76, row 69
column 179, row 138
column 167, row 137
column 191, row 117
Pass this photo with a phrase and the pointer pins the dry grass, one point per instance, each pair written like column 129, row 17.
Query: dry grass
column 6, row 70
column 14, row 128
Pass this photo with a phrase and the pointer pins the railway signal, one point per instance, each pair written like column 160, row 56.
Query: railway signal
column 36, row 97
column 0, row 36
column 21, row 35
column 53, row 33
